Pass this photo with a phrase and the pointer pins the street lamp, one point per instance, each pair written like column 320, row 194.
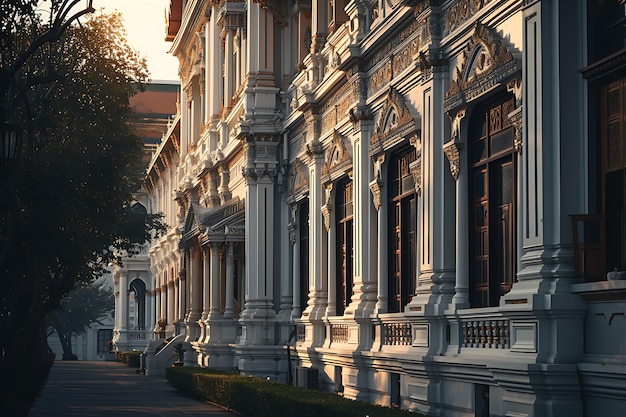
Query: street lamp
column 9, row 142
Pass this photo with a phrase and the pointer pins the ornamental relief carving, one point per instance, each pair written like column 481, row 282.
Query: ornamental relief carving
column 460, row 12
column 337, row 155
column 486, row 62
column 395, row 120
column 452, row 149
column 299, row 180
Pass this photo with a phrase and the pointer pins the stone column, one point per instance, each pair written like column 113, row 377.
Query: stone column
column 164, row 303
column 171, row 303
column 214, row 309
column 176, row 299
column 195, row 292
column 459, row 171
column 365, row 289
column 331, row 229
column 379, row 196
column 318, row 242
column 259, row 273
column 157, row 307
column 124, row 300
column 229, row 311
column 294, row 239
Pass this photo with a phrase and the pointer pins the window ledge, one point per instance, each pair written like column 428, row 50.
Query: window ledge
column 601, row 290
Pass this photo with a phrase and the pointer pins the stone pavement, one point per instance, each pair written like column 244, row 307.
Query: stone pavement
column 99, row 388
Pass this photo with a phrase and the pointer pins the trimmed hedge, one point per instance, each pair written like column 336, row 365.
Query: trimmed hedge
column 130, row 358
column 256, row 397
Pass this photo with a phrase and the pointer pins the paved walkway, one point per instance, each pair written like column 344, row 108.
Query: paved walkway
column 99, row 388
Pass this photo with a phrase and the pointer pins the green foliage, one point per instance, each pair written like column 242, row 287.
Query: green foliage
column 83, row 306
column 255, row 397
column 131, row 358
column 65, row 210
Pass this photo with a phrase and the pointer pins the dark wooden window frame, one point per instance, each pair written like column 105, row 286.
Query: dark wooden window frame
column 492, row 202
column 345, row 244
column 402, row 203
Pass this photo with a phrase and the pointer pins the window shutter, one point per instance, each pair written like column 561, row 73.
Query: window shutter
column 612, row 125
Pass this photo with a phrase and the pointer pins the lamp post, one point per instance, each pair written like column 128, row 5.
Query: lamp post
column 9, row 143
column 10, row 138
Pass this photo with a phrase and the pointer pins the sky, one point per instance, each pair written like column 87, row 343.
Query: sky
column 144, row 21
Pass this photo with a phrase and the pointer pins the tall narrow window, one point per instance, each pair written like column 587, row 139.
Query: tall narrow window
column 303, row 225
column 613, row 134
column 492, row 203
column 403, row 227
column 344, row 217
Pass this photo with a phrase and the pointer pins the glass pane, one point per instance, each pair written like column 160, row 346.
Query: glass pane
column 479, row 151
column 501, row 142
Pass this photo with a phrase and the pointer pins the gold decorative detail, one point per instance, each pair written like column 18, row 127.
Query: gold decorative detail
column 336, row 155
column 394, row 117
column 452, row 150
column 486, row 62
column 299, row 177
column 375, row 187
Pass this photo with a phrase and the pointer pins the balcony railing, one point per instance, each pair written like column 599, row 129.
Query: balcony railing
column 490, row 334
column 133, row 336
column 397, row 334
column 339, row 333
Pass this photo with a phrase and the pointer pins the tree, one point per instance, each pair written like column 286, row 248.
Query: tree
column 68, row 209
column 85, row 305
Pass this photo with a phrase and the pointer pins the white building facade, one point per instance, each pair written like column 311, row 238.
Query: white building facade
column 413, row 203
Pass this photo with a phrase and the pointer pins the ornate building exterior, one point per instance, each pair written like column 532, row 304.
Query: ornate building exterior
column 413, row 203
column 154, row 109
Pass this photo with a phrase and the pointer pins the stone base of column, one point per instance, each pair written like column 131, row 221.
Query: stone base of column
column 190, row 356
column 363, row 302
column 263, row 361
column 433, row 296
column 257, row 324
column 192, row 327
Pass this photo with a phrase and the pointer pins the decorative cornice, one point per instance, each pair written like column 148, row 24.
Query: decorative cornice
column 299, row 177
column 605, row 66
column 486, row 62
column 337, row 155
column 395, row 122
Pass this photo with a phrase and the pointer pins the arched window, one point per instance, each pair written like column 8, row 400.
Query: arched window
column 138, row 287
column 402, row 231
column 492, row 201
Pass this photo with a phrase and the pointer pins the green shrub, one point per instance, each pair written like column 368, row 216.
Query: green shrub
column 130, row 358
column 255, row 397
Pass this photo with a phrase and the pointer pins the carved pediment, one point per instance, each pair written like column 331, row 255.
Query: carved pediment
column 394, row 123
column 299, row 178
column 486, row 62
column 337, row 155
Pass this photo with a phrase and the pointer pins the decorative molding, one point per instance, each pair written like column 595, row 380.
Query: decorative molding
column 415, row 167
column 460, row 12
column 299, row 177
column 337, row 155
column 328, row 206
column 394, row 123
column 375, row 187
column 516, row 116
column 452, row 150
column 486, row 62
column 292, row 232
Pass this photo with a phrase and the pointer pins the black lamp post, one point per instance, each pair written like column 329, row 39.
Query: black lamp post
column 9, row 142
